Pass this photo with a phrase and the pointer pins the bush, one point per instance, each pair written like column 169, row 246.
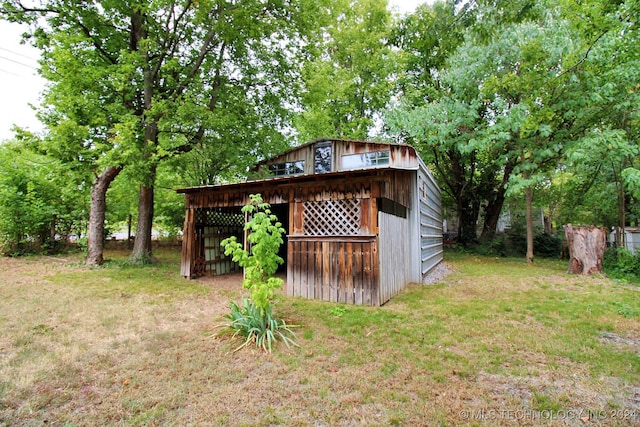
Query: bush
column 547, row 245
column 514, row 243
column 496, row 246
column 620, row 263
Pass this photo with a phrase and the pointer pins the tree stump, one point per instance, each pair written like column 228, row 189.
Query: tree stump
column 586, row 248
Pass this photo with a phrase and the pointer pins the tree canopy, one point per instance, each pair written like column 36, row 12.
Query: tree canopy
column 507, row 102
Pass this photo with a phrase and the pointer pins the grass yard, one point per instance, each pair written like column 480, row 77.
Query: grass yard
column 495, row 343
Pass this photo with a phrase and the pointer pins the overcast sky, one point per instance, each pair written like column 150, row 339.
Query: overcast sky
column 21, row 86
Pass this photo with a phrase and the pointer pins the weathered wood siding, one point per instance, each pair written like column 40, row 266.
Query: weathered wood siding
column 341, row 270
column 332, row 243
column 400, row 156
column 397, row 187
column 225, row 198
column 188, row 244
column 357, row 235
column 395, row 255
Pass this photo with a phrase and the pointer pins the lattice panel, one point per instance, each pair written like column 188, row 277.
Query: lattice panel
column 216, row 217
column 332, row 218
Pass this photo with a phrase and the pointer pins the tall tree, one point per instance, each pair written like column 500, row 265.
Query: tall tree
column 347, row 83
column 166, row 76
column 496, row 114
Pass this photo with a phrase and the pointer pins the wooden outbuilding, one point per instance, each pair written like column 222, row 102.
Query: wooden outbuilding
column 363, row 220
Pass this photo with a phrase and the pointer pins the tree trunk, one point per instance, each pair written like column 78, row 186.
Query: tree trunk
column 142, row 253
column 529, row 197
column 586, row 248
column 467, row 220
column 494, row 206
column 97, row 211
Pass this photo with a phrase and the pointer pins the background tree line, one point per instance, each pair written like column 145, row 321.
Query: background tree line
column 526, row 103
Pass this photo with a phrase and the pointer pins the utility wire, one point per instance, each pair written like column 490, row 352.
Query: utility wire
column 17, row 62
column 18, row 54
column 9, row 72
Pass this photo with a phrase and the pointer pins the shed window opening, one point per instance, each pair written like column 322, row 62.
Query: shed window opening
column 322, row 157
column 287, row 168
column 365, row 160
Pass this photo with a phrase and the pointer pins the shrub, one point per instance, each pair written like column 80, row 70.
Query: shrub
column 547, row 245
column 620, row 263
column 255, row 320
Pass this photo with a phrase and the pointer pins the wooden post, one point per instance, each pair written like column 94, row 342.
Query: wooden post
column 586, row 248
column 188, row 244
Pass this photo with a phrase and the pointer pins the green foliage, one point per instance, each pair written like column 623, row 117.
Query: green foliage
column 39, row 201
column 255, row 319
column 514, row 243
column 262, row 261
column 499, row 245
column 547, row 245
column 258, row 325
column 620, row 263
column 515, row 95
column 338, row 310
column 347, row 83
column 134, row 85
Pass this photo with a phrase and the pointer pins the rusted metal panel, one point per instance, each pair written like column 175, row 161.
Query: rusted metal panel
column 399, row 155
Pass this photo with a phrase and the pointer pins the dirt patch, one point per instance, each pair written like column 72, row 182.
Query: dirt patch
column 231, row 282
column 621, row 342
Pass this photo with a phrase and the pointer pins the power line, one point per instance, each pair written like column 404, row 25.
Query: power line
column 18, row 62
column 18, row 54
column 9, row 72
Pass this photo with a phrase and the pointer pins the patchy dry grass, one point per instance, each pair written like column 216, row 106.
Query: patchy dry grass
column 495, row 343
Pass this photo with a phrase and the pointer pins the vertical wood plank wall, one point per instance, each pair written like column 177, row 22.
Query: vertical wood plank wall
column 334, row 269
column 395, row 255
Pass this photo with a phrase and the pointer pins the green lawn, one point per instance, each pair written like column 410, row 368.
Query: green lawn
column 497, row 342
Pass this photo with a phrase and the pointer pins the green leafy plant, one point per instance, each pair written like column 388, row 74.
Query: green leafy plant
column 258, row 326
column 620, row 263
column 338, row 310
column 254, row 319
